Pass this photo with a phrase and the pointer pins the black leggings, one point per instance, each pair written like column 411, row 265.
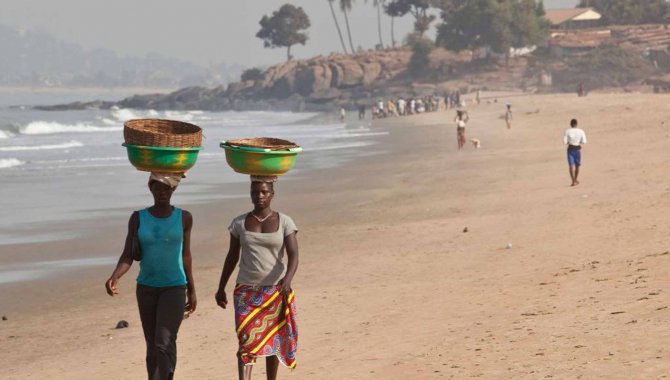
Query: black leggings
column 161, row 312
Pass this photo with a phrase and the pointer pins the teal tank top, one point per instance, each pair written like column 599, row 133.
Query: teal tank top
column 161, row 241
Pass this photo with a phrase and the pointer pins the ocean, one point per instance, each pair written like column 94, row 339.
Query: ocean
column 64, row 166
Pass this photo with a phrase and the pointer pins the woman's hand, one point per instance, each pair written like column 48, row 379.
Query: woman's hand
column 221, row 298
column 284, row 286
column 110, row 286
column 191, row 302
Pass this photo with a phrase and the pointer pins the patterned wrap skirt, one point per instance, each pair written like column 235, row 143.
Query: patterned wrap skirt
column 265, row 321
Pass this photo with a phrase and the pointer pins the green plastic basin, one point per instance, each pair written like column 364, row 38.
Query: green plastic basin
column 162, row 159
column 258, row 161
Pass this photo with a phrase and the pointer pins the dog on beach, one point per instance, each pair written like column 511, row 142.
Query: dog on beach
column 476, row 143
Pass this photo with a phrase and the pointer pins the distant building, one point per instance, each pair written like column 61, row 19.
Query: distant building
column 573, row 18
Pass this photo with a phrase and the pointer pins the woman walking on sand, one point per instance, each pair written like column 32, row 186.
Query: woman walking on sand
column 461, row 120
column 263, row 299
column 159, row 236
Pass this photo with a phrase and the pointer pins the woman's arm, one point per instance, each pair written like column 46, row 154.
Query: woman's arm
column 192, row 300
column 126, row 259
column 291, row 244
column 228, row 267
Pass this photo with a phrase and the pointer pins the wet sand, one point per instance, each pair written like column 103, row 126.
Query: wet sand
column 391, row 287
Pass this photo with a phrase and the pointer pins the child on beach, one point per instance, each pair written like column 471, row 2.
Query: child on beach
column 508, row 116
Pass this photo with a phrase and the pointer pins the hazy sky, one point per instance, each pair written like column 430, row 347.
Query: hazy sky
column 200, row 31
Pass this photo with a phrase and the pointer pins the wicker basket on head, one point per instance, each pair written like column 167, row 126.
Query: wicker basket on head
column 158, row 132
column 264, row 143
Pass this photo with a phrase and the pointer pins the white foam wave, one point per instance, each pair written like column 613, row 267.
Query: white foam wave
column 345, row 145
column 46, row 127
column 181, row 116
column 107, row 121
column 9, row 162
column 67, row 145
column 5, row 135
column 124, row 114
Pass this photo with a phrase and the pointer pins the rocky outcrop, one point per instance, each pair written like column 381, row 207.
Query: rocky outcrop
column 319, row 83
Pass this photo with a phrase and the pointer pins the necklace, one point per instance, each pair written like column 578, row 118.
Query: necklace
column 261, row 220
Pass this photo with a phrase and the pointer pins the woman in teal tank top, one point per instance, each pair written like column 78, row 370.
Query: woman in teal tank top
column 159, row 236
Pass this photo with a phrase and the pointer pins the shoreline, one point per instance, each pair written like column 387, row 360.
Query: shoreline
column 390, row 286
column 134, row 90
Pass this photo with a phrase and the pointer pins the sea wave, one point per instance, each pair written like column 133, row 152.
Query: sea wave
column 67, row 145
column 5, row 134
column 359, row 144
column 46, row 127
column 9, row 162
column 124, row 114
column 179, row 115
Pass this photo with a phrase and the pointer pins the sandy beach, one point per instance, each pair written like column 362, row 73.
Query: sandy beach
column 389, row 284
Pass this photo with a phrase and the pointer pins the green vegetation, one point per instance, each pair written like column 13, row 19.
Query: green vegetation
column 630, row 11
column 420, row 60
column 417, row 8
column 606, row 66
column 498, row 24
column 251, row 74
column 283, row 28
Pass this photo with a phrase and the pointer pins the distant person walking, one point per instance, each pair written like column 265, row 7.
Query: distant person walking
column 461, row 120
column 508, row 116
column 574, row 138
column 361, row 112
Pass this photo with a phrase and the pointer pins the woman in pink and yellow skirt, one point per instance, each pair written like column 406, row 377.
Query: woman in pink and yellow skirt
column 263, row 300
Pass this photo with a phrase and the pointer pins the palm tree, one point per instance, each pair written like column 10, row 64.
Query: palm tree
column 345, row 6
column 379, row 4
column 395, row 9
column 337, row 25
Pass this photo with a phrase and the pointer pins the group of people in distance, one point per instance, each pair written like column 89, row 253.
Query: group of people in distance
column 159, row 237
column 401, row 107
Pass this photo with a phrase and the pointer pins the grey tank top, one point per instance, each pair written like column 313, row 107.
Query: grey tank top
column 261, row 254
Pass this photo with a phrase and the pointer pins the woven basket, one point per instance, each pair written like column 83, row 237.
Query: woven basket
column 264, row 143
column 166, row 133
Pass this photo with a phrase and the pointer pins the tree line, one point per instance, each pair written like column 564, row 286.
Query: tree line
column 464, row 24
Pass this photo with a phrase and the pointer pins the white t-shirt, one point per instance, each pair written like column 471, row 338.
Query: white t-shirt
column 574, row 136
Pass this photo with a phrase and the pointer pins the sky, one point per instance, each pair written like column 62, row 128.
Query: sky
column 200, row 31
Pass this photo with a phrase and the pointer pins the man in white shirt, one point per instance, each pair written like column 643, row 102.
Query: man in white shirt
column 574, row 138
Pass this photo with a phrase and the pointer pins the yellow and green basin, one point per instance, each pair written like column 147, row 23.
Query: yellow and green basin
column 162, row 159
column 259, row 161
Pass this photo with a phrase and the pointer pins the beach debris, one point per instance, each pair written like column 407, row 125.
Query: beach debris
column 465, row 229
column 122, row 324
column 4, row 317
column 508, row 246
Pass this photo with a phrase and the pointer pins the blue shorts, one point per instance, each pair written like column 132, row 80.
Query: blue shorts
column 575, row 157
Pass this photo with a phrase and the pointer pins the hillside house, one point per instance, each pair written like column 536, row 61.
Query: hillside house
column 573, row 18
